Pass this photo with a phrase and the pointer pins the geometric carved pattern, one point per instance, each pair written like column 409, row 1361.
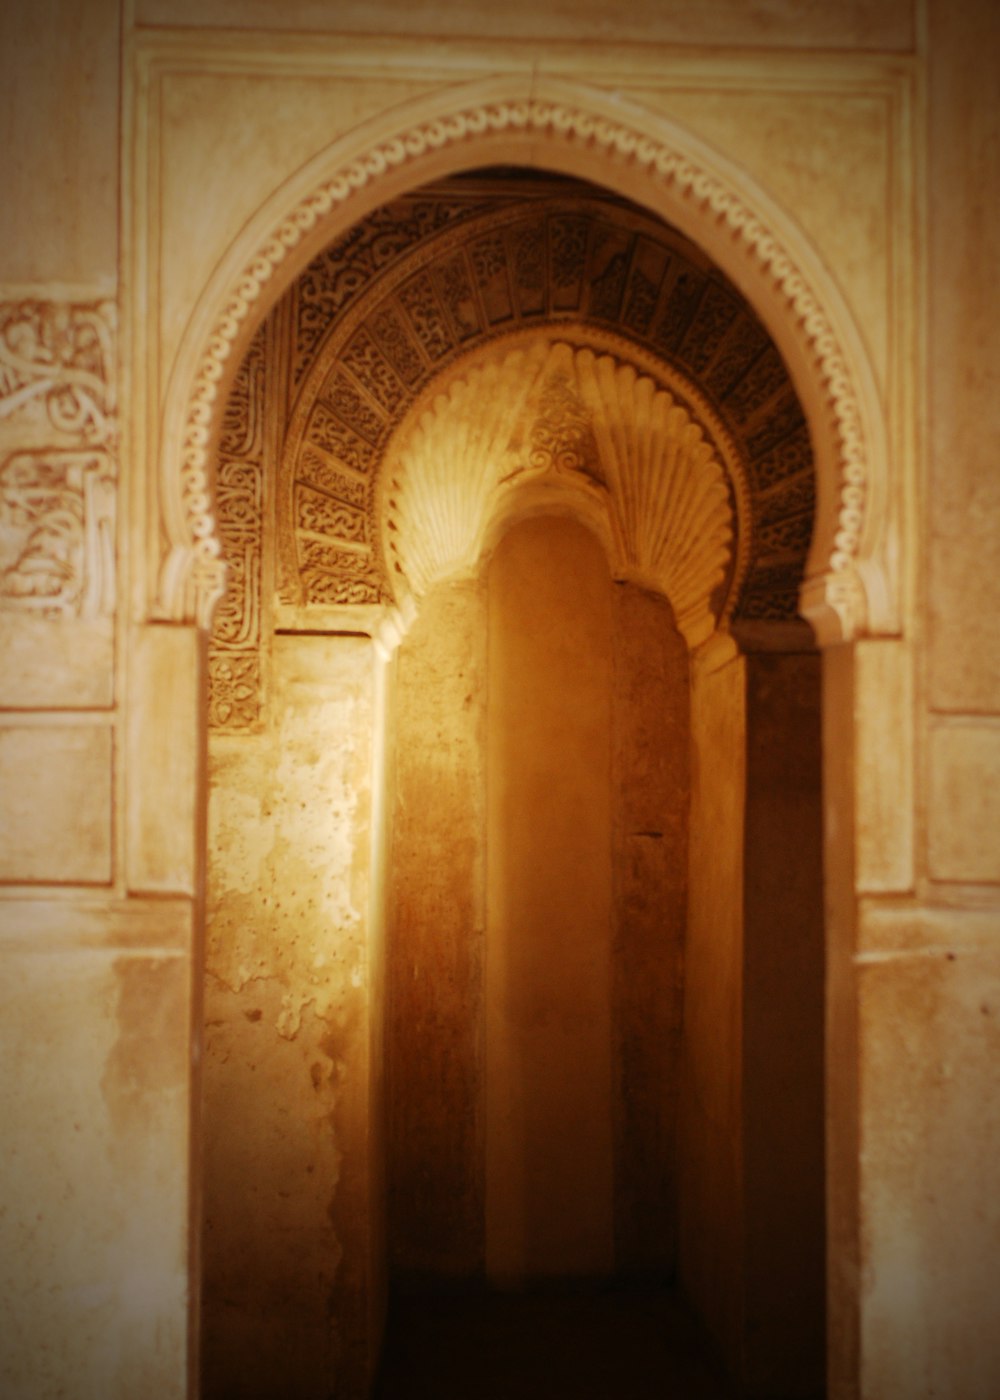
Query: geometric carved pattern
column 233, row 671
column 633, row 454
column 58, row 432
column 459, row 265
column 836, row 597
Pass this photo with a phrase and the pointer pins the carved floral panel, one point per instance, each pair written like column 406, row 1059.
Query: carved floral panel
column 58, row 439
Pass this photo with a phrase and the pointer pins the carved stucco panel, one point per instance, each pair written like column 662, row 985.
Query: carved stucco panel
column 234, row 654
column 58, row 443
column 587, row 429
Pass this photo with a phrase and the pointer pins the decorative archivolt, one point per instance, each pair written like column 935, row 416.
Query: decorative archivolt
column 588, row 429
column 193, row 576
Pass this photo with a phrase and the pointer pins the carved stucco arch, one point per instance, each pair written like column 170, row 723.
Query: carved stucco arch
column 654, row 475
column 578, row 131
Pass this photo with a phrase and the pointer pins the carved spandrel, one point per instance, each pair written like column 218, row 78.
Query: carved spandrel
column 455, row 290
column 782, row 421
column 529, row 262
column 610, row 255
column 789, row 536
column 57, row 534
column 489, row 266
column 568, row 259
column 762, row 382
column 795, row 497
column 771, row 594
column 347, row 404
column 243, row 418
column 236, row 625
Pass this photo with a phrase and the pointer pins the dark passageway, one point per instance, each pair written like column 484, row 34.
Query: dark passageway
column 565, row 1344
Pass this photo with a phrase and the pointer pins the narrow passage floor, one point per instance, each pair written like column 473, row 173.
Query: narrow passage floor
column 615, row 1344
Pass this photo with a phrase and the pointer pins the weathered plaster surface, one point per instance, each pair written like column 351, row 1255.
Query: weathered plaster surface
column 650, row 780
column 60, row 64
column 436, row 924
column 286, row 1060
column 963, row 484
column 783, row 1031
column 549, row 1140
column 55, row 803
column 931, row 1033
column 93, row 1174
column 710, row 1191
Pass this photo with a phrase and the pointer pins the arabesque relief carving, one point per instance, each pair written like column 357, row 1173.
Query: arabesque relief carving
column 233, row 655
column 57, row 533
column 58, row 438
column 503, row 256
column 835, row 593
column 56, row 367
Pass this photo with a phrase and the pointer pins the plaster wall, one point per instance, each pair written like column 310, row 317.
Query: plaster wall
column 291, row 1068
column 710, row 1112
column 96, row 1145
column 549, row 1136
column 651, row 785
column 437, row 918
column 783, row 1059
column 479, row 691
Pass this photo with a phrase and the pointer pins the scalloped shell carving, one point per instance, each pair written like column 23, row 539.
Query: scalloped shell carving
column 655, row 476
column 667, row 485
column 451, row 465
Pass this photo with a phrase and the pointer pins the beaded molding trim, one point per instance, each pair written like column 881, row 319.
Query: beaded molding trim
column 193, row 578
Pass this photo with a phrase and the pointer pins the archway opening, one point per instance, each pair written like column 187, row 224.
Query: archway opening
column 694, row 1133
